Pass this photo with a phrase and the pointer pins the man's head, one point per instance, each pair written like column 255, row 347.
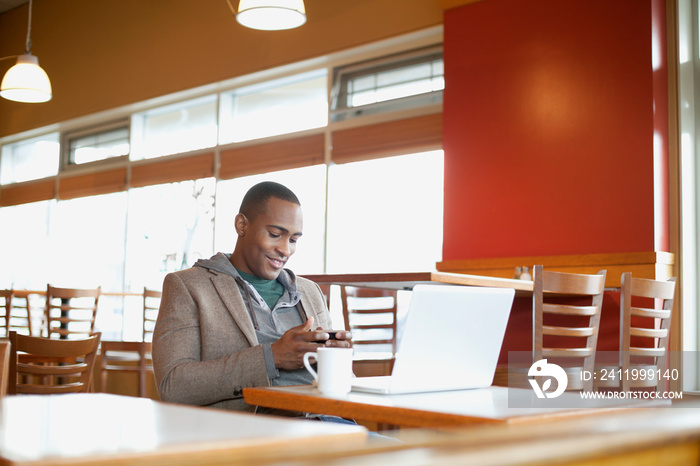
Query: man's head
column 256, row 198
column 268, row 226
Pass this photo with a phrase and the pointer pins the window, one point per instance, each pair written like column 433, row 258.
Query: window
column 88, row 251
column 102, row 144
column 26, row 245
column 171, row 226
column 392, row 83
column 286, row 105
column 385, row 215
column 175, row 128
column 30, row 159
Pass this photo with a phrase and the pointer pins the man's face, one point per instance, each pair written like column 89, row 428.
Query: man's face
column 267, row 242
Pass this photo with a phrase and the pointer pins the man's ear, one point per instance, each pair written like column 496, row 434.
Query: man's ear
column 241, row 224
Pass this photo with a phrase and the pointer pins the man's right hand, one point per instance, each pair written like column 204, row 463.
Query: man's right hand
column 289, row 350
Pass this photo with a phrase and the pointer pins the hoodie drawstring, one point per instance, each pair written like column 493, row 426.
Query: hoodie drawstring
column 250, row 303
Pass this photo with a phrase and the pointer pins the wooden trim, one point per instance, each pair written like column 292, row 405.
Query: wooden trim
column 655, row 265
column 406, row 417
column 674, row 181
column 92, row 184
column 171, row 170
column 272, row 156
column 407, row 280
column 396, row 137
column 24, row 193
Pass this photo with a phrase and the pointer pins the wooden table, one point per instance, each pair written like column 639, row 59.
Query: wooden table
column 437, row 409
column 407, row 280
column 111, row 429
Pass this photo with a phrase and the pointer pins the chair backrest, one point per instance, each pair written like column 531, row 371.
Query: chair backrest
column 645, row 330
column 370, row 314
column 326, row 291
column 151, row 304
column 126, row 356
column 41, row 365
column 71, row 311
column 4, row 366
column 22, row 311
column 6, row 309
column 571, row 327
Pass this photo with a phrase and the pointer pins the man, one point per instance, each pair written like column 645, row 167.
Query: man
column 241, row 320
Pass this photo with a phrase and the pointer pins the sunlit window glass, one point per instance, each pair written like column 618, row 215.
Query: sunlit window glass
column 173, row 129
column 30, row 159
column 170, row 228
column 392, row 83
column 282, row 106
column 309, row 184
column 25, row 245
column 89, row 252
column 99, row 146
column 385, row 215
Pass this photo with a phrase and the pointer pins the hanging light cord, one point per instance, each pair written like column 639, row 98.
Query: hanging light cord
column 227, row 1
column 28, row 45
column 29, row 30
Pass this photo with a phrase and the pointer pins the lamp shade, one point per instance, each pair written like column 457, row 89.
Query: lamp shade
column 26, row 81
column 271, row 15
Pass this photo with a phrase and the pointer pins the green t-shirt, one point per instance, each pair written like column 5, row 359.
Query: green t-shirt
column 270, row 290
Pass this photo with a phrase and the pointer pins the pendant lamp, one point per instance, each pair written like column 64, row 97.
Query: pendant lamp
column 26, row 81
column 271, row 15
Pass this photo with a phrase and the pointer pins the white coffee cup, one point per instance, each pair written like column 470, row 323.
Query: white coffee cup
column 334, row 375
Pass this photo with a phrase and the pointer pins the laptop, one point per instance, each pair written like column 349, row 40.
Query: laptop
column 451, row 341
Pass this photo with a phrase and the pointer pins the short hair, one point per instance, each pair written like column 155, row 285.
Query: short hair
column 256, row 198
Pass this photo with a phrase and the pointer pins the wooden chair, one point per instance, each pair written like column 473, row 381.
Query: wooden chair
column 565, row 332
column 326, row 291
column 126, row 356
column 6, row 297
column 133, row 356
column 41, row 365
column 644, row 333
column 4, row 366
column 17, row 311
column 151, row 304
column 370, row 314
column 23, row 303
column 71, row 311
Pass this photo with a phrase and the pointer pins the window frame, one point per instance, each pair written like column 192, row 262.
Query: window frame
column 68, row 165
column 342, row 75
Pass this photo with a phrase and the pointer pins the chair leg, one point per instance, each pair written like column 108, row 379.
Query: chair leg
column 142, row 374
column 142, row 384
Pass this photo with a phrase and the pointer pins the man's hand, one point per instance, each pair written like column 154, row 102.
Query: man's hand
column 289, row 350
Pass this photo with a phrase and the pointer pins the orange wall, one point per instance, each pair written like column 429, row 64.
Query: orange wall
column 548, row 128
column 108, row 53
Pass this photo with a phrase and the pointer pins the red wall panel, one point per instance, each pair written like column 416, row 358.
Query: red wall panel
column 548, row 128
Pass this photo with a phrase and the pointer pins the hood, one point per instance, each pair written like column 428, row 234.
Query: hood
column 220, row 263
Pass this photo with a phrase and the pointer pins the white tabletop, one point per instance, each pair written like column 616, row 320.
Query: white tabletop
column 89, row 428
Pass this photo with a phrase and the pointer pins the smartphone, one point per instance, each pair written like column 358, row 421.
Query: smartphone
column 331, row 336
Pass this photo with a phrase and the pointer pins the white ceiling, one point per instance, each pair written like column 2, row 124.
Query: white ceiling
column 6, row 5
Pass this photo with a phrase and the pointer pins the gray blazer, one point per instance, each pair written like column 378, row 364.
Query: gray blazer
column 205, row 350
